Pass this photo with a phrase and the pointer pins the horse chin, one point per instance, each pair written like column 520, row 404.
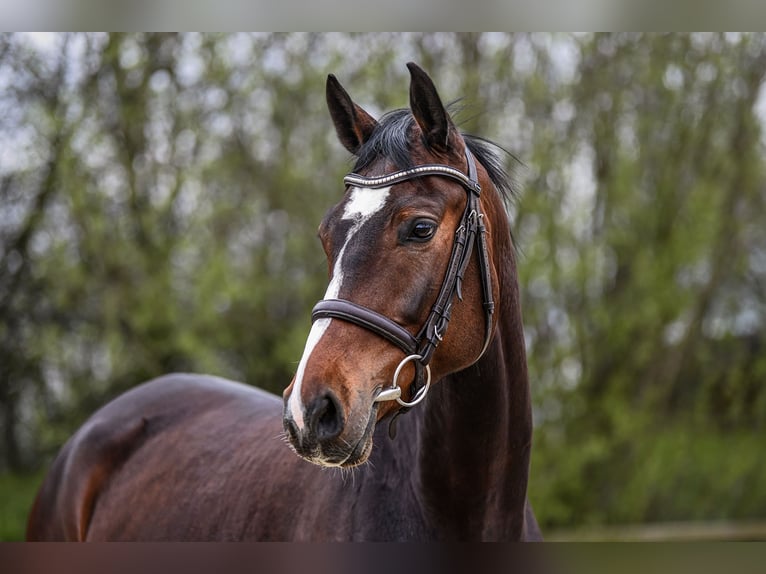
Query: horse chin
column 360, row 454
column 333, row 458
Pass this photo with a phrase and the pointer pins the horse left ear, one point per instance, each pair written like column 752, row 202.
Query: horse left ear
column 428, row 110
column 353, row 125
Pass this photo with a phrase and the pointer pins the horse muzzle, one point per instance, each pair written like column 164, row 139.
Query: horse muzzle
column 326, row 436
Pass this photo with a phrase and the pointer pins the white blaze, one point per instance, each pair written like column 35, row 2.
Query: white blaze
column 361, row 206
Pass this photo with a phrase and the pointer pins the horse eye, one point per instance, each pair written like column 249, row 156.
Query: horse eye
column 423, row 230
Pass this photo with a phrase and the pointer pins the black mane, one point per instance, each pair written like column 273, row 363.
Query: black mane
column 392, row 139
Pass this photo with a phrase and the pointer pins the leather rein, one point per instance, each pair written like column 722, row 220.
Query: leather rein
column 420, row 348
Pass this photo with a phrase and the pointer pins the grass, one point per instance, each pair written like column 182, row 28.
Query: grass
column 16, row 495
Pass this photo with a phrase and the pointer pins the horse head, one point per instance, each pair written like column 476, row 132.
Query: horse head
column 407, row 255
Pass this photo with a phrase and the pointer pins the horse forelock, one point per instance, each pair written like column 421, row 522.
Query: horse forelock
column 393, row 139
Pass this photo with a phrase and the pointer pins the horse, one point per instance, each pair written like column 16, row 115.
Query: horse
column 409, row 416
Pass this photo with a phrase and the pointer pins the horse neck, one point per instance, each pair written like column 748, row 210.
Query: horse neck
column 475, row 432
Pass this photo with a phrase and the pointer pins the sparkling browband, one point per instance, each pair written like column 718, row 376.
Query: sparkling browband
column 405, row 174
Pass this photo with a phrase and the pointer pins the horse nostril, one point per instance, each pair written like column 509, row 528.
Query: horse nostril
column 327, row 417
column 291, row 428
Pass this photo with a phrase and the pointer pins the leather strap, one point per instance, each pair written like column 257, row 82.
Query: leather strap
column 367, row 318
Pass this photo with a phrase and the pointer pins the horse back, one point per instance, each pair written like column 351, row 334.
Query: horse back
column 90, row 463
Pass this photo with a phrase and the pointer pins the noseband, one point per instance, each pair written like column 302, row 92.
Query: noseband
column 420, row 348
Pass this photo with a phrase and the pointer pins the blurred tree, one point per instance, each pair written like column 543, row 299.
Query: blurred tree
column 631, row 265
column 26, row 194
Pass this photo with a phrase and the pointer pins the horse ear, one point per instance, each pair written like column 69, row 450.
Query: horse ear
column 353, row 125
column 428, row 110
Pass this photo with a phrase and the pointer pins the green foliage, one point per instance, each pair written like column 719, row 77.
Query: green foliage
column 17, row 492
column 160, row 193
column 681, row 472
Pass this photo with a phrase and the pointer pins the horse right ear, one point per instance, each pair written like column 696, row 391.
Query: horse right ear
column 353, row 125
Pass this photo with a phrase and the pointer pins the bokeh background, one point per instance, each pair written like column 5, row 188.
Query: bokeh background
column 160, row 193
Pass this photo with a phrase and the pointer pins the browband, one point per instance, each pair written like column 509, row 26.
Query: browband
column 419, row 171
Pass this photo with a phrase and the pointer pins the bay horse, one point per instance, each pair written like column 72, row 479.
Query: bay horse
column 420, row 242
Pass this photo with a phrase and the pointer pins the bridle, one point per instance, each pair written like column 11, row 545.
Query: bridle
column 420, row 348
